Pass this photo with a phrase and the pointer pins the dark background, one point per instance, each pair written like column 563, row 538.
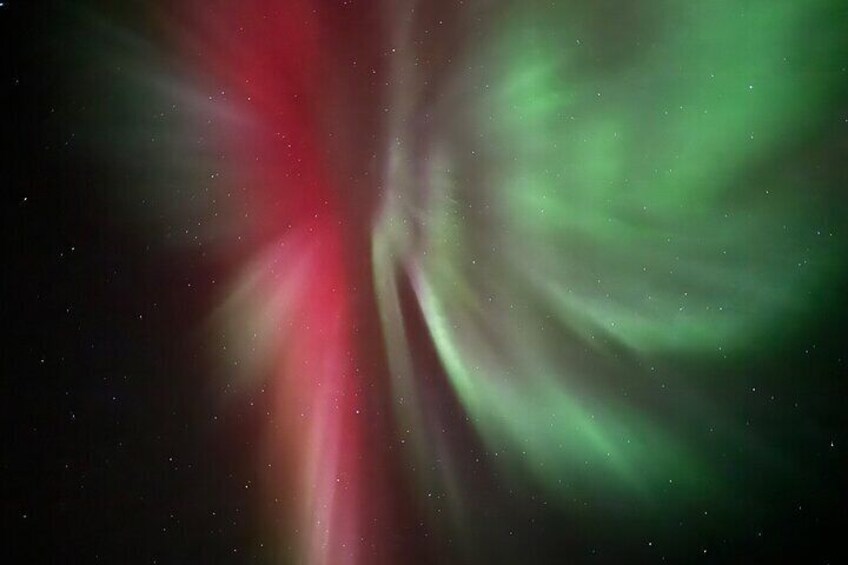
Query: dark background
column 112, row 450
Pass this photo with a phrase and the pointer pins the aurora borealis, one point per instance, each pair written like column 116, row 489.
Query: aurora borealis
column 400, row 282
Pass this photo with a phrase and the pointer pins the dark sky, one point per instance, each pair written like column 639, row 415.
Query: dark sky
column 110, row 452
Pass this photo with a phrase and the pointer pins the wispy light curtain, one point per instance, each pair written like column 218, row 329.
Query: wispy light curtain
column 486, row 247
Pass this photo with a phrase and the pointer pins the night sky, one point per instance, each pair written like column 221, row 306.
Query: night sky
column 411, row 282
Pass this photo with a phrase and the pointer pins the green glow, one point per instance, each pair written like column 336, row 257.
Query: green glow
column 639, row 204
column 639, row 191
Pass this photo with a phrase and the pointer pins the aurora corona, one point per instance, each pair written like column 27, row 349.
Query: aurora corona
column 491, row 259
